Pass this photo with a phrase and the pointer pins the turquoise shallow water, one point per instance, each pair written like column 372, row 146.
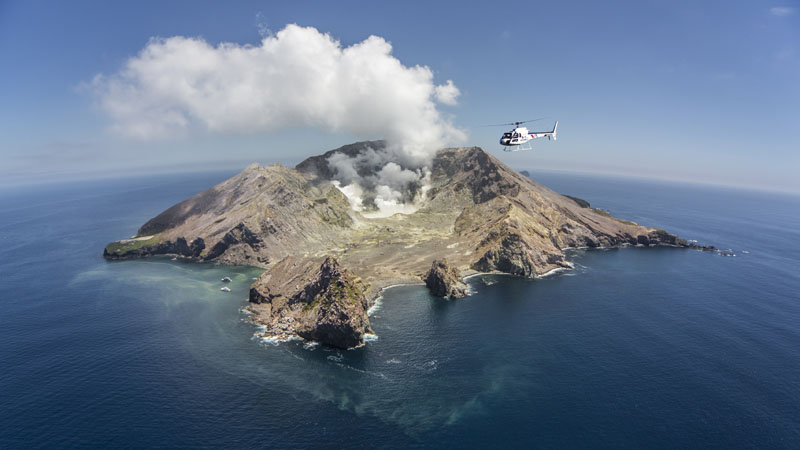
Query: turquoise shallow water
column 634, row 348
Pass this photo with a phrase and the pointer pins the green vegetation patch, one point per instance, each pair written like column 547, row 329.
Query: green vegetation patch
column 581, row 202
column 129, row 245
column 349, row 292
column 605, row 213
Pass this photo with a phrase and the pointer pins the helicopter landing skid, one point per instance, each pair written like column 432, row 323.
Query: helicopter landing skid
column 518, row 148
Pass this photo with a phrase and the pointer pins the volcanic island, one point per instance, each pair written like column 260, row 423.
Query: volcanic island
column 326, row 262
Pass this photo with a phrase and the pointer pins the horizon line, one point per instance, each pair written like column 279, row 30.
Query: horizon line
column 239, row 165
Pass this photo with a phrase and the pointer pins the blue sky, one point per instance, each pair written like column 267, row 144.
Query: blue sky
column 699, row 91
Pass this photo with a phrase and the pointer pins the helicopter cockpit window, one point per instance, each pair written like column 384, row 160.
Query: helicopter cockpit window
column 506, row 135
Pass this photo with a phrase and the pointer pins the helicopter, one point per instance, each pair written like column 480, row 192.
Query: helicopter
column 520, row 138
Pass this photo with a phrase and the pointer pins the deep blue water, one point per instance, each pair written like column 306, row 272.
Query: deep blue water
column 635, row 348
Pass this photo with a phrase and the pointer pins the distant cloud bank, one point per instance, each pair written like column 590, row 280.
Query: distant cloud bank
column 781, row 11
column 295, row 77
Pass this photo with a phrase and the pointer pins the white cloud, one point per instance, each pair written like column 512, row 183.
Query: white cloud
column 447, row 93
column 295, row 77
column 781, row 11
column 261, row 24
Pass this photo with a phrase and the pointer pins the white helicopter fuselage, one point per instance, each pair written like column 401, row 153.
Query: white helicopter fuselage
column 521, row 135
column 517, row 136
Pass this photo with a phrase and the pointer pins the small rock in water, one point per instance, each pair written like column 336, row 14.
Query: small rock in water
column 226, row 279
column 445, row 281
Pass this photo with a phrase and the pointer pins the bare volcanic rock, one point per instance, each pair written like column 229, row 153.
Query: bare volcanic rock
column 445, row 281
column 255, row 218
column 317, row 301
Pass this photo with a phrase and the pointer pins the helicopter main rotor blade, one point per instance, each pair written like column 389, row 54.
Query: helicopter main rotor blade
column 532, row 120
column 497, row 125
column 513, row 123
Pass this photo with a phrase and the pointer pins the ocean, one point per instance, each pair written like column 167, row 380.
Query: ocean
column 634, row 348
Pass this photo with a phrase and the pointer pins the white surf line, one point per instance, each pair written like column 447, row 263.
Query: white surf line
column 482, row 274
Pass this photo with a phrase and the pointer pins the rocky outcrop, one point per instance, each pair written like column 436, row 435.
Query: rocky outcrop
column 445, row 281
column 239, row 234
column 480, row 173
column 318, row 301
column 512, row 253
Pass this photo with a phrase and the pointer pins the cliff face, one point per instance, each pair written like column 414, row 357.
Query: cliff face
column 478, row 214
column 317, row 301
